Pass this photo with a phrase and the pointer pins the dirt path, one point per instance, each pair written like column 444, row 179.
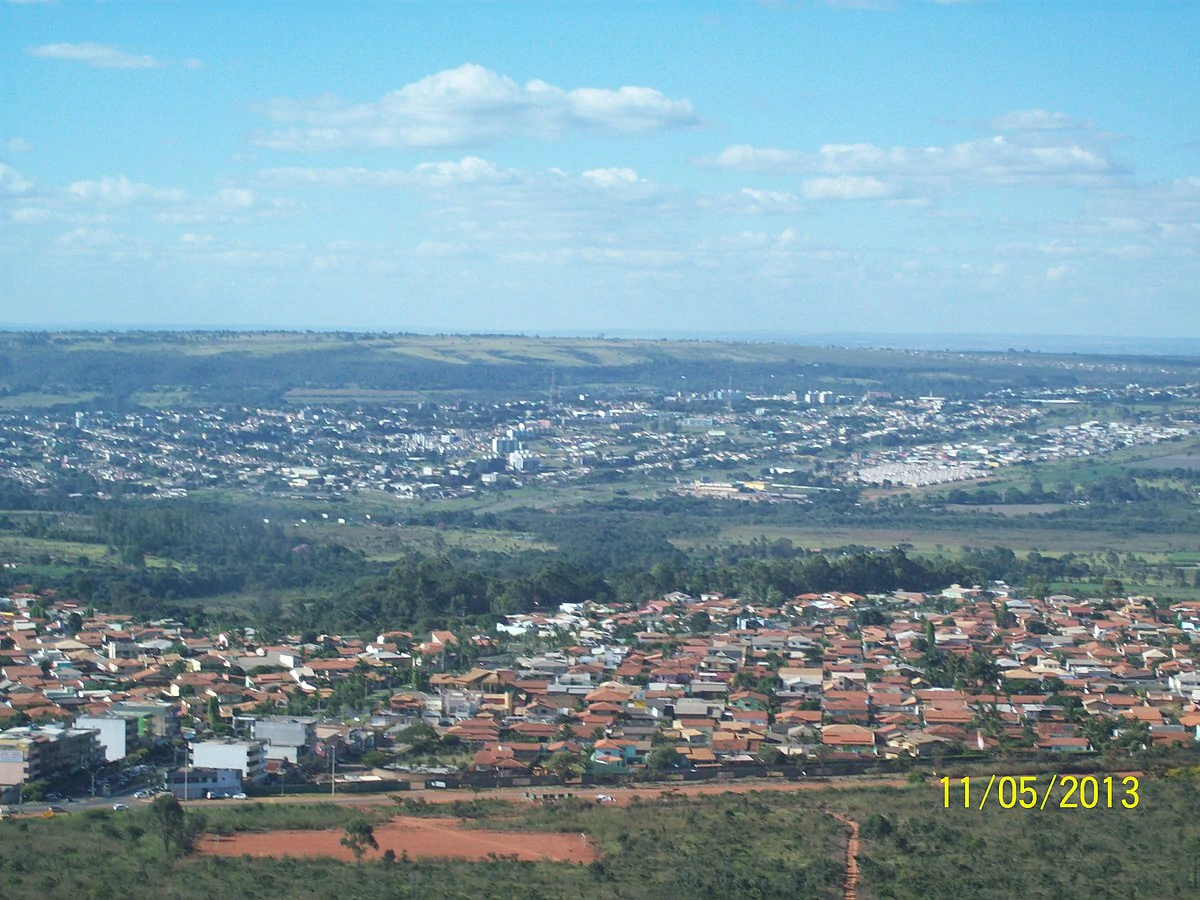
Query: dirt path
column 851, row 882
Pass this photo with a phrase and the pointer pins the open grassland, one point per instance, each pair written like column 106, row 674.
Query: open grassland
column 914, row 849
column 17, row 546
column 520, row 349
column 954, row 536
column 31, row 400
column 730, row 846
column 754, row 844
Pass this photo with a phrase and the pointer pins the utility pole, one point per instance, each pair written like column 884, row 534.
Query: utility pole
column 333, row 772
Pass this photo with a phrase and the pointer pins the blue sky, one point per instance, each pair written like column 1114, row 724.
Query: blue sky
column 801, row 167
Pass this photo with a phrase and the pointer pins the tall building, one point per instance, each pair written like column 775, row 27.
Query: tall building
column 46, row 752
column 245, row 756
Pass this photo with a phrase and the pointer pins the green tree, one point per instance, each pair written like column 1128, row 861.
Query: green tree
column 213, row 712
column 360, row 835
column 374, row 759
column 564, row 764
column 662, row 758
column 177, row 829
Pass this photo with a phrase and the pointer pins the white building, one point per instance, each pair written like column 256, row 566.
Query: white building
column 245, row 756
column 118, row 734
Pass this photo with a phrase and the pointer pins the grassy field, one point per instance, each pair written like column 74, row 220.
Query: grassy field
column 31, row 400
column 16, row 546
column 1046, row 541
column 764, row 844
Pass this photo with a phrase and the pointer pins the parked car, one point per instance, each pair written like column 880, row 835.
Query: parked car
column 240, row 795
column 55, row 809
column 142, row 795
column 119, row 807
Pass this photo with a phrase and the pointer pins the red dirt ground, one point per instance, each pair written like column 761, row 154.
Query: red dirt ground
column 418, row 837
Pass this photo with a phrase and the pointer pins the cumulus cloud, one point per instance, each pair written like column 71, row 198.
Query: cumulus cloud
column 754, row 202
column 761, row 159
column 98, row 56
column 996, row 160
column 612, row 178
column 13, row 182
column 469, row 170
column 121, row 191
column 468, row 106
column 1038, row 120
column 846, row 187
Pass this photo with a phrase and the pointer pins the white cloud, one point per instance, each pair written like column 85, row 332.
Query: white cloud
column 98, row 56
column 235, row 198
column 121, row 191
column 994, row 160
column 744, row 156
column 754, row 202
column 90, row 237
column 612, row 178
column 194, row 64
column 469, row 170
column 13, row 182
column 466, row 106
column 846, row 187
column 1038, row 120
column 1054, row 273
column 31, row 215
column 17, row 145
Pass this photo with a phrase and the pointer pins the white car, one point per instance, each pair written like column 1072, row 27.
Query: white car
column 120, row 807
column 240, row 796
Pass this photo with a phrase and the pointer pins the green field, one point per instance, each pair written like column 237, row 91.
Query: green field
column 956, row 535
column 31, row 400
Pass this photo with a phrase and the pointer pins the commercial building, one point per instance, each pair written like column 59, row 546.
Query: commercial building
column 157, row 721
column 118, row 735
column 289, row 738
column 47, row 752
column 245, row 756
column 198, row 783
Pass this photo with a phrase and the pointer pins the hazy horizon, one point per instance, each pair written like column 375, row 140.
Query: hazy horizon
column 920, row 341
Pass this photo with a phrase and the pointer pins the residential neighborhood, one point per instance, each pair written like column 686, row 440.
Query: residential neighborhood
column 677, row 683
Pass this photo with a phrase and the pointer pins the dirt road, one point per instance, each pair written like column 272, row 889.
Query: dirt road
column 851, row 881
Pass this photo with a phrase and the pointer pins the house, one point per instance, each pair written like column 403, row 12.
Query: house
column 849, row 739
column 615, row 755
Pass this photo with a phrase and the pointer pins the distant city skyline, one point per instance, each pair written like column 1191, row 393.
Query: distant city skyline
column 967, row 170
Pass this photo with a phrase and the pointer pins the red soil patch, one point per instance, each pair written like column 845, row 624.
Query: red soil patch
column 418, row 837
